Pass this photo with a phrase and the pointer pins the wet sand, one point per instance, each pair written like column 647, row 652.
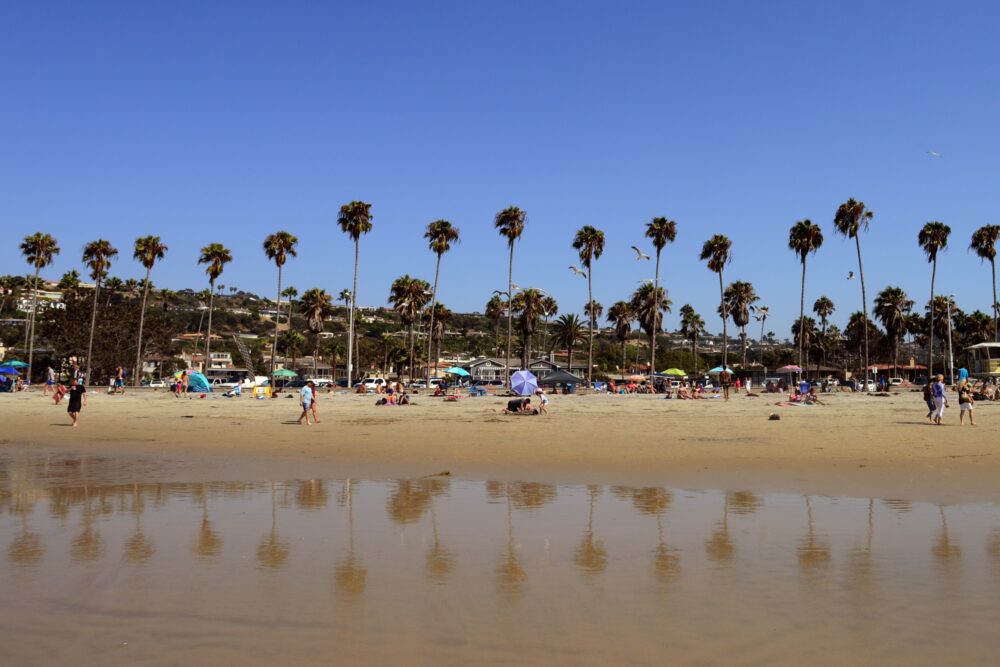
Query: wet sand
column 107, row 564
column 857, row 445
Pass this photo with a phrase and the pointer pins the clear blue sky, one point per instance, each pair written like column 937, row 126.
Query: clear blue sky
column 223, row 122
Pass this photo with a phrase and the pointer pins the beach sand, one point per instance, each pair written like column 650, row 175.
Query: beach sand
column 856, row 445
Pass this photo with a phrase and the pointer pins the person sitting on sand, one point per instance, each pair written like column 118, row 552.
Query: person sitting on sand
column 812, row 398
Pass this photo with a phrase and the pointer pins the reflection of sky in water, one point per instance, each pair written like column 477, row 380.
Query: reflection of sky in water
column 454, row 570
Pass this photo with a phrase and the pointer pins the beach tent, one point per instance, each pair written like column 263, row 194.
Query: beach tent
column 7, row 369
column 560, row 376
column 675, row 372
column 198, row 382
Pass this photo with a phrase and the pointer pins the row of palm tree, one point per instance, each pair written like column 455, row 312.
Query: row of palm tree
column 647, row 305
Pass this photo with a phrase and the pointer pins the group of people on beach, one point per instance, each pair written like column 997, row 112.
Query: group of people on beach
column 936, row 398
column 523, row 406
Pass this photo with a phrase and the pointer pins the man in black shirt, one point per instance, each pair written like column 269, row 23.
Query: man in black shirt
column 77, row 399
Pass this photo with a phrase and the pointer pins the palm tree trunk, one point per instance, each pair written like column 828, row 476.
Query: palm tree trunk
column 996, row 306
column 142, row 322
column 725, row 333
column 31, row 323
column 656, row 305
column 590, row 342
column 93, row 324
column 624, row 360
column 411, row 352
column 743, row 342
column 864, row 304
column 350, row 328
column 694, row 352
column 510, row 313
column 434, row 293
column 930, row 344
column 277, row 324
column 802, row 313
column 208, row 336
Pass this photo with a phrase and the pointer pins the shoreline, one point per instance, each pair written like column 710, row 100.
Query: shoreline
column 857, row 446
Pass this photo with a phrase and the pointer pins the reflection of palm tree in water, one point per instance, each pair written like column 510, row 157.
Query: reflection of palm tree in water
column 861, row 558
column 591, row 557
column 719, row 547
column 271, row 551
column 27, row 548
column 138, row 548
column 666, row 562
column 510, row 575
column 439, row 561
column 349, row 576
column 88, row 545
column 813, row 551
column 208, row 543
column 945, row 551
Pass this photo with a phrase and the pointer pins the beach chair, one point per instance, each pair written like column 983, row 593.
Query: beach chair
column 477, row 391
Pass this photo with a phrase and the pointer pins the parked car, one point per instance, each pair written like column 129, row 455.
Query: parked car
column 294, row 384
column 895, row 382
column 372, row 384
column 158, row 384
column 321, row 383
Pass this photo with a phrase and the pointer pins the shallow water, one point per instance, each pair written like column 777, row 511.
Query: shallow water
column 103, row 565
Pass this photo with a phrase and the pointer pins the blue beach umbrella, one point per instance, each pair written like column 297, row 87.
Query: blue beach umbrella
column 455, row 370
column 7, row 369
column 524, row 383
column 718, row 369
column 15, row 363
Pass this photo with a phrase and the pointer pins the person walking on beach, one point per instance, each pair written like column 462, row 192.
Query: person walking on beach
column 543, row 401
column 312, row 386
column 77, row 399
column 305, row 400
column 965, row 402
column 940, row 399
column 724, row 381
column 929, row 400
column 50, row 381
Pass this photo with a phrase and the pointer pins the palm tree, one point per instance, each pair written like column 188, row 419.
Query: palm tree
column 740, row 296
column 891, row 308
column 620, row 316
column 933, row 237
column 215, row 256
column 354, row 219
column 589, row 245
column 38, row 249
column 408, row 296
column 148, row 251
column 440, row 235
column 278, row 247
column 69, row 283
column 984, row 243
column 661, row 231
column 495, row 311
column 648, row 304
column 442, row 318
column 717, row 252
column 692, row 327
column 132, row 288
column 316, row 306
column 97, row 256
column 823, row 308
column 292, row 342
column 113, row 285
column 510, row 224
column 529, row 305
column 567, row 332
column 549, row 309
column 804, row 333
column 804, row 238
column 851, row 218
column 761, row 313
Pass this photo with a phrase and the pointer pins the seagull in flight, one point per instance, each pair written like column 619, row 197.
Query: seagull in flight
column 639, row 255
column 933, row 153
column 850, row 275
column 575, row 269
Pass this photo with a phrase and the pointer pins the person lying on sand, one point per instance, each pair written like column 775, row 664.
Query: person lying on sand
column 519, row 406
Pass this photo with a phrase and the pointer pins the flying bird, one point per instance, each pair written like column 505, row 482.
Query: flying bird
column 850, row 275
column 639, row 255
column 933, row 153
column 577, row 271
